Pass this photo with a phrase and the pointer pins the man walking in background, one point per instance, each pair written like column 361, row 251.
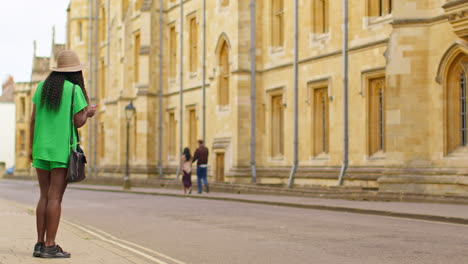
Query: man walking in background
column 201, row 156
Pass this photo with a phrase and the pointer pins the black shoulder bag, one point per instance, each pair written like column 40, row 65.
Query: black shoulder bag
column 77, row 159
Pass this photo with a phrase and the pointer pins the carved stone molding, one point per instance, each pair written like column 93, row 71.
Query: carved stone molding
column 457, row 13
column 221, row 143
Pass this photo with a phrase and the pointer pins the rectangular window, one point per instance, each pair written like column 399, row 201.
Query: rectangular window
column 192, row 130
column 320, row 16
column 277, row 126
column 172, row 51
column 321, row 121
column 376, row 115
column 224, row 3
column 377, row 8
column 23, row 108
column 278, row 23
column 136, row 58
column 193, row 44
column 124, row 8
column 102, row 25
column 134, row 137
column 22, row 141
column 172, row 134
column 102, row 142
column 80, row 31
column 138, row 5
column 102, row 79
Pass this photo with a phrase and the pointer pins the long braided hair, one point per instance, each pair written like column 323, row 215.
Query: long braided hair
column 187, row 154
column 52, row 88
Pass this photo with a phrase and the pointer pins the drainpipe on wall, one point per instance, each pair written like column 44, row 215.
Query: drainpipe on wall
column 181, row 90
column 108, row 41
column 296, row 158
column 252, row 90
column 90, row 71
column 108, row 60
column 160, row 89
column 96, row 94
column 204, row 73
column 345, row 92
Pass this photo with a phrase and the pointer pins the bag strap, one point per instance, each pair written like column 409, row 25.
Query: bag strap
column 72, row 122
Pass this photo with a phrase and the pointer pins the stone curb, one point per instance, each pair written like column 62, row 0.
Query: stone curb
column 434, row 218
column 344, row 193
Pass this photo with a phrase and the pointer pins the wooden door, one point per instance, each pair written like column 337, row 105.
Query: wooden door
column 219, row 167
column 277, row 126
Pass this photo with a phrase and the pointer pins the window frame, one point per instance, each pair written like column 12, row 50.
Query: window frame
column 277, row 23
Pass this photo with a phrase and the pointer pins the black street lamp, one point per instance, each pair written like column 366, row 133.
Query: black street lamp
column 129, row 112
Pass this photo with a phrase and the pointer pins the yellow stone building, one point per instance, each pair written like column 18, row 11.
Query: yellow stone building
column 407, row 89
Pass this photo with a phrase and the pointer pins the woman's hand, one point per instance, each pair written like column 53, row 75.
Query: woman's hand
column 91, row 110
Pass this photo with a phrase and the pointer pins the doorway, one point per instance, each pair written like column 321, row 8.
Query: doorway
column 219, row 167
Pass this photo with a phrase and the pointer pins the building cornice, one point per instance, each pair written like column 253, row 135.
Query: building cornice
column 328, row 55
column 454, row 3
column 419, row 21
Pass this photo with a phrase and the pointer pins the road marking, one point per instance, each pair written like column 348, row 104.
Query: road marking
column 424, row 221
column 120, row 242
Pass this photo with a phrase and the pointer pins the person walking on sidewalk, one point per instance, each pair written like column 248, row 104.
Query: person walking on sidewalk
column 50, row 144
column 201, row 156
column 186, row 165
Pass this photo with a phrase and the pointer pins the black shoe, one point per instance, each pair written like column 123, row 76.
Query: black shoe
column 38, row 248
column 207, row 189
column 54, row 252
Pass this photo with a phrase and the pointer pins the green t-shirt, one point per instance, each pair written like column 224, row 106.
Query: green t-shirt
column 51, row 140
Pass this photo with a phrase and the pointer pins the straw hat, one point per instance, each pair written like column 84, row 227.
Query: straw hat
column 68, row 61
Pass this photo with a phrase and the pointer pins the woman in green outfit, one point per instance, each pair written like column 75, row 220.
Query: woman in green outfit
column 50, row 144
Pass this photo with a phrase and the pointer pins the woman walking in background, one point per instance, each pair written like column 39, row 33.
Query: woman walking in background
column 50, row 144
column 186, row 165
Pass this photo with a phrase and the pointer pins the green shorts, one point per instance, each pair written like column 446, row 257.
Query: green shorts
column 48, row 165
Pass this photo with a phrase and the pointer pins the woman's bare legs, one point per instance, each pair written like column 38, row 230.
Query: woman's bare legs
column 57, row 187
column 43, row 177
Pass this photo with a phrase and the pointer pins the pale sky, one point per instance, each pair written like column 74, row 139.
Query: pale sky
column 22, row 22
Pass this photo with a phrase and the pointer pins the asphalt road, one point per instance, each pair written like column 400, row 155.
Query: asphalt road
column 207, row 231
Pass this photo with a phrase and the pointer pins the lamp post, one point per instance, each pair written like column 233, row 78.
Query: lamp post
column 129, row 112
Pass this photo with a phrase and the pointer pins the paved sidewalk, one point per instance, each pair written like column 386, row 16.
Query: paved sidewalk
column 451, row 213
column 18, row 236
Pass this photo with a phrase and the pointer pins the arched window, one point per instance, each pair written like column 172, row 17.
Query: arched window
column 224, row 73
column 320, row 16
column 456, row 120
